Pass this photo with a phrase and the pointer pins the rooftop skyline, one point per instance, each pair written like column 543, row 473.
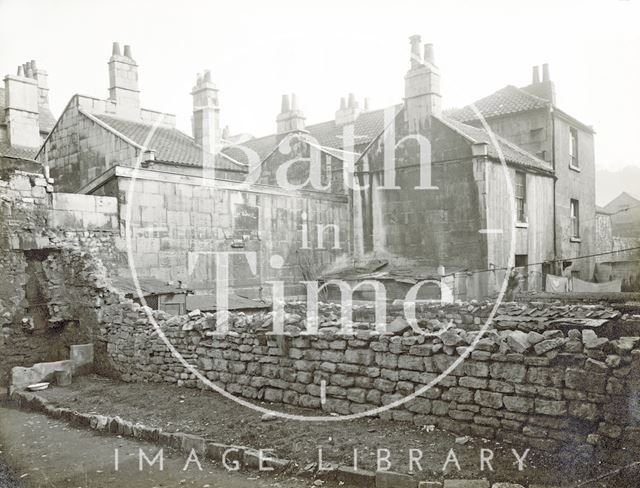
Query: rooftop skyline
column 256, row 52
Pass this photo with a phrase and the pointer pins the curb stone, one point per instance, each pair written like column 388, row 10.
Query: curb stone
column 360, row 477
column 391, row 479
column 466, row 484
column 243, row 456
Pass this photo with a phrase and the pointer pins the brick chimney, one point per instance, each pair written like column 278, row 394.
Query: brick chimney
column 422, row 87
column 206, row 114
column 348, row 112
column 290, row 119
column 543, row 89
column 123, row 83
column 21, row 102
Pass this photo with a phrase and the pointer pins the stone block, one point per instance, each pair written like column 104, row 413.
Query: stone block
column 195, row 442
column 488, row 399
column 391, row 479
column 550, row 407
column 410, row 362
column 518, row 404
column 63, row 378
column 466, row 484
column 508, row 372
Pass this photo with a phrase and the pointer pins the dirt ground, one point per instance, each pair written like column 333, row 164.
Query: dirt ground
column 207, row 413
column 48, row 453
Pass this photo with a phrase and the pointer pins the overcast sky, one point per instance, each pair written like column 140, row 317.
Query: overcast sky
column 258, row 50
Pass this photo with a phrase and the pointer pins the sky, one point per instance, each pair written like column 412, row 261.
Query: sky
column 258, row 50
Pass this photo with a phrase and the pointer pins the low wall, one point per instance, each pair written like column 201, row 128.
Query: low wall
column 551, row 391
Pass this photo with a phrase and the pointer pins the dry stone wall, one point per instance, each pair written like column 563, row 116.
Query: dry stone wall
column 572, row 392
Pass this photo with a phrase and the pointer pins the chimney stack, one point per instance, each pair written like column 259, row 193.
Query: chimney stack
column 290, row 119
column 543, row 89
column 123, row 83
column 422, row 87
column 348, row 112
column 41, row 77
column 206, row 114
column 21, row 102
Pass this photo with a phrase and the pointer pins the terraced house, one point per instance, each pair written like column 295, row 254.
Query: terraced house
column 187, row 197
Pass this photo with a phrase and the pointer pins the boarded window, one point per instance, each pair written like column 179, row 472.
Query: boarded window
column 521, row 196
column 574, row 213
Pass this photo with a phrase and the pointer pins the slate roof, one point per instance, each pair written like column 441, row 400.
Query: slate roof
column 510, row 151
column 17, row 151
column 148, row 286
column 508, row 100
column 366, row 127
column 170, row 144
column 207, row 303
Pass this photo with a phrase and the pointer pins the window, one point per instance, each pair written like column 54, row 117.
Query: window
column 573, row 148
column 574, row 213
column 521, row 196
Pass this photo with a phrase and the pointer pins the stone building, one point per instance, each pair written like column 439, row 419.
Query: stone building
column 184, row 198
column 530, row 118
column 25, row 116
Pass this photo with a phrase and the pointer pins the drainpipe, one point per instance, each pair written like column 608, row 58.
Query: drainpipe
column 555, row 180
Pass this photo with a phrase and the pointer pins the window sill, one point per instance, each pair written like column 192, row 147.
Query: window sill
column 575, row 239
column 522, row 225
column 575, row 168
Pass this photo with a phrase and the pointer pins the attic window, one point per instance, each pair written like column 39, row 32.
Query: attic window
column 573, row 148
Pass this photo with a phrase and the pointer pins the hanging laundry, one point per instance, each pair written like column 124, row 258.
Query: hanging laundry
column 606, row 287
column 557, row 284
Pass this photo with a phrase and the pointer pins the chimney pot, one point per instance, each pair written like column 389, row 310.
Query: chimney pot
column 207, row 76
column 535, row 76
column 416, row 59
column 366, row 104
column 343, row 103
column 115, row 50
column 284, row 105
column 545, row 72
column 33, row 65
column 352, row 101
column 29, row 71
column 20, row 71
column 428, row 54
column 127, row 51
column 294, row 102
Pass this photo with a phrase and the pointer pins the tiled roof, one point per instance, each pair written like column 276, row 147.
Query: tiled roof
column 170, row 144
column 509, row 99
column 366, row 127
column 510, row 151
column 17, row 151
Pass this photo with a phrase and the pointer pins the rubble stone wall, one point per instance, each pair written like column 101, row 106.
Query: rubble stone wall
column 40, row 313
column 551, row 390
